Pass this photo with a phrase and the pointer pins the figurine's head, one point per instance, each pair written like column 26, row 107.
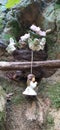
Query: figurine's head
column 31, row 77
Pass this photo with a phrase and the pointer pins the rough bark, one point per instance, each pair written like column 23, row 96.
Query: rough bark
column 26, row 65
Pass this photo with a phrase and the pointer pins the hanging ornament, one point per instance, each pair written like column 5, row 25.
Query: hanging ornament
column 31, row 85
column 35, row 45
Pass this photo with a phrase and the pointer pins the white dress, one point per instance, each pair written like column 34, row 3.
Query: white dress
column 30, row 89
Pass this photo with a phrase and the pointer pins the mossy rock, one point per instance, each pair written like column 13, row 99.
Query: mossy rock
column 50, row 87
column 2, row 108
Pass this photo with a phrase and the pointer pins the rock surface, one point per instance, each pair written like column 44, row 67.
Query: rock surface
column 52, row 85
column 2, row 108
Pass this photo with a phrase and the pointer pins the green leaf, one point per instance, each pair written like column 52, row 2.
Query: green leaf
column 12, row 3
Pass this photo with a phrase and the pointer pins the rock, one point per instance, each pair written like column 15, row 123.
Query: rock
column 56, row 116
column 54, row 78
column 37, row 111
column 2, row 108
column 58, row 24
column 49, row 17
column 2, row 15
column 25, row 16
column 20, row 17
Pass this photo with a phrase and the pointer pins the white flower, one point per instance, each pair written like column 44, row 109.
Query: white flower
column 41, row 33
column 35, row 28
column 10, row 48
column 24, row 37
column 43, row 41
column 12, row 41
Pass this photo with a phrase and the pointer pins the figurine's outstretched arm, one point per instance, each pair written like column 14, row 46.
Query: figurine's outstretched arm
column 33, row 84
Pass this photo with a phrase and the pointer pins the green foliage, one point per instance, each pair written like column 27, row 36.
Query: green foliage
column 57, row 6
column 53, row 47
column 1, row 25
column 2, row 116
column 12, row 87
column 12, row 3
column 6, row 36
column 2, row 126
column 50, row 120
column 52, row 91
column 1, row 21
column 58, row 2
column 54, row 94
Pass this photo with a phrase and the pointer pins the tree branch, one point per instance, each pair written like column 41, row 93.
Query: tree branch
column 25, row 65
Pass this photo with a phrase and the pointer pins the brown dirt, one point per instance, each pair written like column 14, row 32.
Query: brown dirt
column 22, row 117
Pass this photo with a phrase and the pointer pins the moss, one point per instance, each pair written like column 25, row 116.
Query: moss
column 50, row 45
column 52, row 91
column 53, row 47
column 13, row 87
column 1, row 20
column 50, row 120
column 54, row 94
column 3, row 111
column 2, row 126
column 2, row 116
column 1, row 25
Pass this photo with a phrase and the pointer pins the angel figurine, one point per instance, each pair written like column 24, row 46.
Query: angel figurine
column 31, row 85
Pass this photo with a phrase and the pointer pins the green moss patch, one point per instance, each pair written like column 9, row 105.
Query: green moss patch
column 52, row 91
column 15, row 88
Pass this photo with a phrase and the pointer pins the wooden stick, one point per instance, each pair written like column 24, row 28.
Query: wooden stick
column 25, row 65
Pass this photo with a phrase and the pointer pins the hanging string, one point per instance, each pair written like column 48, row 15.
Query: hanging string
column 31, row 61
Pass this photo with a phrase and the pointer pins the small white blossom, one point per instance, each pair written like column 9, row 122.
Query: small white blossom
column 10, row 48
column 35, row 28
column 43, row 41
column 25, row 37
